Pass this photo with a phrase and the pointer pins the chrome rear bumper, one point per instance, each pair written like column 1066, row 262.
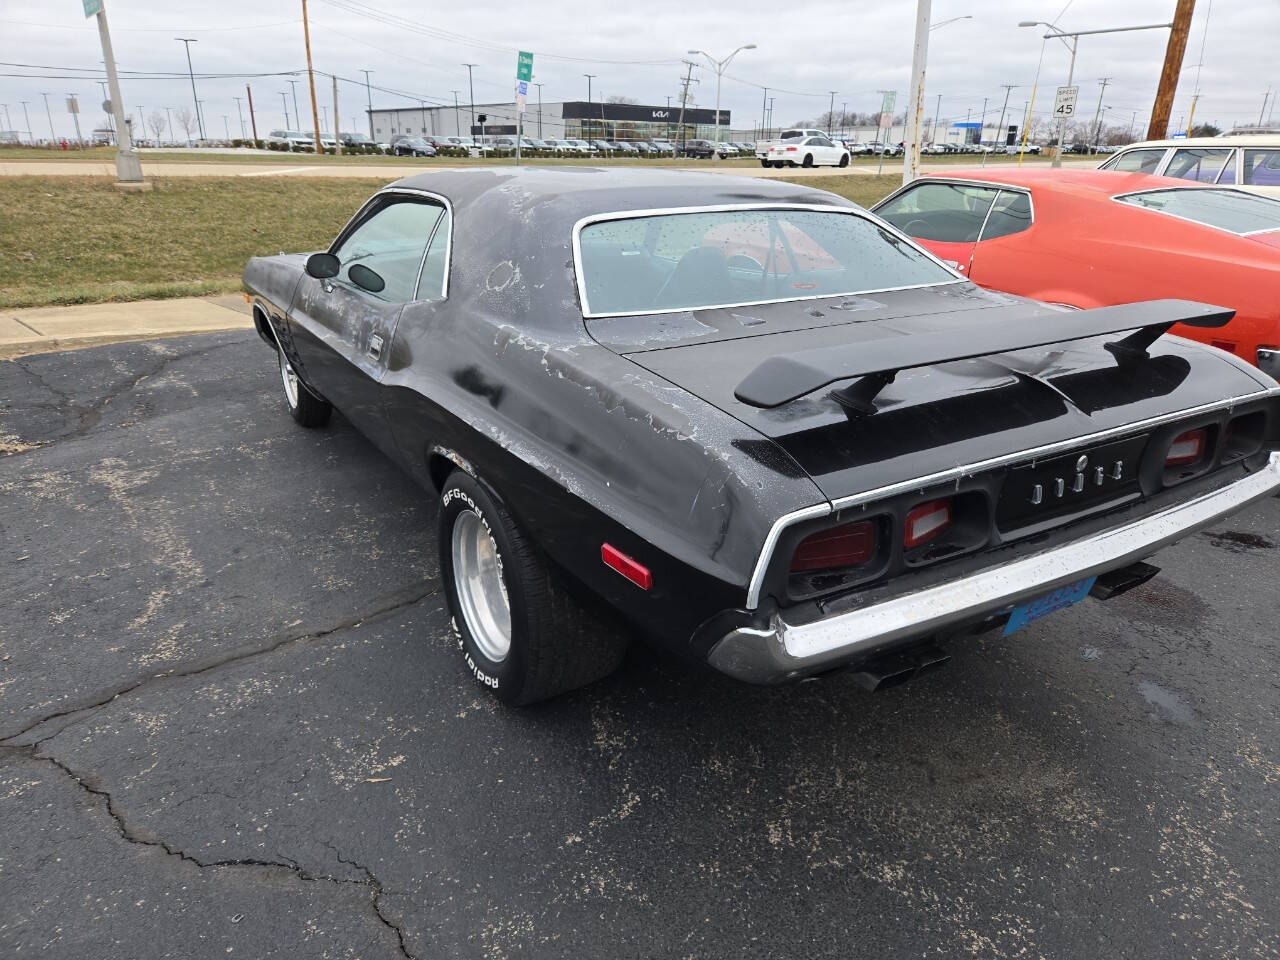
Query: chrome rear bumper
column 786, row 650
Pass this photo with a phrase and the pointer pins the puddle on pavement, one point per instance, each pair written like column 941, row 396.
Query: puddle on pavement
column 1168, row 704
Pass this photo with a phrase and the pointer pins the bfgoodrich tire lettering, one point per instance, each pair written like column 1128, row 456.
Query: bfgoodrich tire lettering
column 553, row 644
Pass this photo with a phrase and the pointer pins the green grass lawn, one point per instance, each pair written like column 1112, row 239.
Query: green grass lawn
column 66, row 240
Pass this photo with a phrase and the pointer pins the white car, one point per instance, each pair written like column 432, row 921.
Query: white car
column 764, row 146
column 1250, row 161
column 819, row 151
column 290, row 139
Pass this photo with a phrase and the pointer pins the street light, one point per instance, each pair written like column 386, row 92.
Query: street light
column 719, row 67
column 187, row 42
column 1075, row 36
column 943, row 23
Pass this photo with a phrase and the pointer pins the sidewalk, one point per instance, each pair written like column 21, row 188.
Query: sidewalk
column 46, row 329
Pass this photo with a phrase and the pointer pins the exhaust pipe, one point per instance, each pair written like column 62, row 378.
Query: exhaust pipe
column 1120, row 581
column 894, row 669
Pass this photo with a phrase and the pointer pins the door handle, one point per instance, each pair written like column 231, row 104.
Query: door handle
column 375, row 346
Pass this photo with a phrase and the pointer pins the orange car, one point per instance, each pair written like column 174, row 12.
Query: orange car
column 1091, row 238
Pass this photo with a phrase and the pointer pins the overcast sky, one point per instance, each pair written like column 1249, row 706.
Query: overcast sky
column 804, row 49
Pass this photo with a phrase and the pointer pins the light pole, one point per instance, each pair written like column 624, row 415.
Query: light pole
column 1075, row 36
column 240, row 111
column 831, row 112
column 590, row 77
column 168, row 123
column 471, row 90
column 52, row 136
column 368, row 96
column 943, row 23
column 27, row 118
column 187, row 42
column 457, row 123
column 284, row 105
column 539, row 86
column 293, row 85
column 719, row 67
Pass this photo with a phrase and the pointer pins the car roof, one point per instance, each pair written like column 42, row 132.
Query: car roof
column 1226, row 141
column 1081, row 181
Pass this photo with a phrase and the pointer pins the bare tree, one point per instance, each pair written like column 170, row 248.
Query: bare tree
column 618, row 98
column 157, row 124
column 186, row 120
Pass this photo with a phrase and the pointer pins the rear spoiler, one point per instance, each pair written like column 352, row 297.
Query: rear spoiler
column 874, row 363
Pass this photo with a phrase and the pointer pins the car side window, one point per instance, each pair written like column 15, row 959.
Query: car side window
column 1199, row 164
column 946, row 212
column 1262, row 168
column 434, row 283
column 1136, row 161
column 391, row 242
column 1011, row 214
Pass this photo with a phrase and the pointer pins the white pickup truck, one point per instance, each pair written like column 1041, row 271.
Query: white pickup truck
column 762, row 146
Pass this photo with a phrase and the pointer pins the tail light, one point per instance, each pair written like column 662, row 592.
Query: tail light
column 849, row 545
column 1187, row 448
column 792, row 149
column 925, row 521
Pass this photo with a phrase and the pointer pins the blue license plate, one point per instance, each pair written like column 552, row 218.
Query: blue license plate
column 1042, row 606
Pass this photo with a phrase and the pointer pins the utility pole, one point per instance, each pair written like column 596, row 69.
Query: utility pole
column 337, row 134
column 253, row 121
column 1159, row 124
column 240, row 114
column 368, row 95
column 684, row 99
column 915, row 96
column 457, row 124
column 1102, row 88
column 831, row 112
column 1008, row 89
column 311, row 79
column 187, row 42
column 471, row 90
column 52, row 136
column 771, row 99
column 764, row 110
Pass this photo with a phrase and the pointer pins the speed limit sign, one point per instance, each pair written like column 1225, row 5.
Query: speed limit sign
column 1064, row 104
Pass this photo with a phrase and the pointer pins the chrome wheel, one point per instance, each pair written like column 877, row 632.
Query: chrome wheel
column 290, row 381
column 482, row 595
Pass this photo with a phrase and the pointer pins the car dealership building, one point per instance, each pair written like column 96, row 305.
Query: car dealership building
column 569, row 119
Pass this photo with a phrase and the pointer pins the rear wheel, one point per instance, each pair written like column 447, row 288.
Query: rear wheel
column 808, row 160
column 764, row 163
column 304, row 406
column 522, row 636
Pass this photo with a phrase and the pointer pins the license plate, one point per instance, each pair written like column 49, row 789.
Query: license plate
column 1042, row 606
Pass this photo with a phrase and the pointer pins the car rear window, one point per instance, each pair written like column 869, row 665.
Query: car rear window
column 687, row 261
column 1232, row 210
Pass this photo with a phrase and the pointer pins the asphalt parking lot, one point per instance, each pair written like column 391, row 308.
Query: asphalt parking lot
column 234, row 724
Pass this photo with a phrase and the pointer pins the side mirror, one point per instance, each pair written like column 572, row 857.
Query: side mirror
column 322, row 266
column 362, row 276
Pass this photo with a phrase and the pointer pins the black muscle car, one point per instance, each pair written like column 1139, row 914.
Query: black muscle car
column 748, row 419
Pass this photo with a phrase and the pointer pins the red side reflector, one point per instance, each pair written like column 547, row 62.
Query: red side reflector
column 850, row 545
column 615, row 559
column 926, row 521
column 1186, row 448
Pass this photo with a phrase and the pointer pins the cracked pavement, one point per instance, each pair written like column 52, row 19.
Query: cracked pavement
column 233, row 723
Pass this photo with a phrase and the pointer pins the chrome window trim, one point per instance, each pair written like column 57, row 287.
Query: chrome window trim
column 1190, row 185
column 1230, row 158
column 955, row 473
column 409, row 192
column 1165, row 154
column 594, row 218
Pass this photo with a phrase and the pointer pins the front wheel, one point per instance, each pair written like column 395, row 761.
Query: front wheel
column 304, row 406
column 522, row 636
column 844, row 160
